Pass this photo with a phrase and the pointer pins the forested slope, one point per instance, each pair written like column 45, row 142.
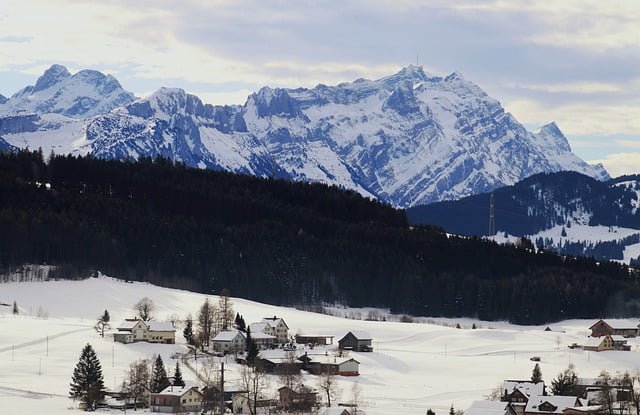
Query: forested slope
column 280, row 242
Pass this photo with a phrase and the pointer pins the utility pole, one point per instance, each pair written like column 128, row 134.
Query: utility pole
column 221, row 388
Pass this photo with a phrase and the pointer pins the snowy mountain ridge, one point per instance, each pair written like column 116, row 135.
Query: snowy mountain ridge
column 409, row 138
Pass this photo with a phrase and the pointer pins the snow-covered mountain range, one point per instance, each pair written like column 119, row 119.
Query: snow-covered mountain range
column 407, row 139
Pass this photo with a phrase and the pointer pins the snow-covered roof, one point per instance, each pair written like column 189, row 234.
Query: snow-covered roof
column 526, row 387
column 332, row 410
column 274, row 321
column 360, row 334
column 227, row 336
column 594, row 341
column 560, row 402
column 328, row 359
column 129, row 324
column 488, row 408
column 179, row 390
column 617, row 338
column 160, row 326
column 262, row 336
column 257, row 327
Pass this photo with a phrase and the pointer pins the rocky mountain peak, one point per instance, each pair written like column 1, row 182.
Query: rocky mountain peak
column 50, row 77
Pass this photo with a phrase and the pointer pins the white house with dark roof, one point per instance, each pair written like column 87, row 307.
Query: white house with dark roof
column 177, row 399
column 136, row 330
column 229, row 341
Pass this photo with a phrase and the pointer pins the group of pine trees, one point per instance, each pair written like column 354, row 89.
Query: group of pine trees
column 280, row 242
column 87, row 381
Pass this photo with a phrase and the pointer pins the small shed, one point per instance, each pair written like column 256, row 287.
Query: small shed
column 358, row 341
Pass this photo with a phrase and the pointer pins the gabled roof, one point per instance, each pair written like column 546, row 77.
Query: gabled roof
column 600, row 322
column 559, row 403
column 359, row 334
column 180, row 390
column 227, row 336
column 274, row 321
column 130, row 323
column 527, row 388
column 257, row 327
column 160, row 326
column 488, row 408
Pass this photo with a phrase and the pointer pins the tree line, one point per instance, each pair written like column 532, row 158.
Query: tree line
column 280, row 242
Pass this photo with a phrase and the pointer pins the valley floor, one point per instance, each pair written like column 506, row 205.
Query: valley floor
column 414, row 366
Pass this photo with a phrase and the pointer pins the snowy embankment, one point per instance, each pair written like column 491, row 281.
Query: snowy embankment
column 414, row 366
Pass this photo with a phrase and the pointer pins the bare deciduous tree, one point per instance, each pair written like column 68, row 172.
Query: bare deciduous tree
column 136, row 383
column 254, row 382
column 206, row 322
column 225, row 310
column 145, row 308
column 328, row 384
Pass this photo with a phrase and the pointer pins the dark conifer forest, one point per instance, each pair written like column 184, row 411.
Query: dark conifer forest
column 281, row 242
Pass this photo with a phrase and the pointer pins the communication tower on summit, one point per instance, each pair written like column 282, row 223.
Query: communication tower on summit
column 492, row 219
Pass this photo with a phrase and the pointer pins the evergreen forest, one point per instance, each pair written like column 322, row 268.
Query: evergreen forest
column 281, row 242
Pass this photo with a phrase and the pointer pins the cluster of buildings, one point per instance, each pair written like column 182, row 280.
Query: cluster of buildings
column 606, row 337
column 521, row 397
column 279, row 353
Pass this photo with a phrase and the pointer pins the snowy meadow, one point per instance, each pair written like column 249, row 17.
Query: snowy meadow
column 427, row 363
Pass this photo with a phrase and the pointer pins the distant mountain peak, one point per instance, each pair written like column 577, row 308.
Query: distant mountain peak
column 413, row 73
column 50, row 77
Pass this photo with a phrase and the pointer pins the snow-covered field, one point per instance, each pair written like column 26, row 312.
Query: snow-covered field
column 414, row 366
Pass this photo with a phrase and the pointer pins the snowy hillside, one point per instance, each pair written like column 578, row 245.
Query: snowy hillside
column 413, row 367
column 409, row 138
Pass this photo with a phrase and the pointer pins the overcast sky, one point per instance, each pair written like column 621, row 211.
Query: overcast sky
column 576, row 62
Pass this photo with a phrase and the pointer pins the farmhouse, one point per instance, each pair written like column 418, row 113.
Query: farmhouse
column 177, row 399
column 314, row 339
column 358, row 341
column 276, row 327
column 552, row 404
column 136, row 330
column 302, row 400
column 602, row 328
column 229, row 342
column 518, row 392
column 332, row 365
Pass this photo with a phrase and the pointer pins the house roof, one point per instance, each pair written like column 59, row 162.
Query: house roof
column 257, row 327
column 359, row 334
column 528, row 388
column 262, row 336
column 227, row 336
column 330, row 360
column 333, row 410
column 180, row 390
column 600, row 322
column 274, row 321
column 130, row 323
column 488, row 408
column 559, row 402
column 160, row 326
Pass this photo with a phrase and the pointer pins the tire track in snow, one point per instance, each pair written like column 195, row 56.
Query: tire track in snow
column 43, row 339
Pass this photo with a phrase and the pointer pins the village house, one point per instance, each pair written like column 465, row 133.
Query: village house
column 518, row 392
column 602, row 328
column 552, row 404
column 333, row 365
column 176, row 399
column 261, row 339
column 276, row 327
column 232, row 341
column 490, row 408
column 136, row 330
column 301, row 400
column 314, row 339
column 264, row 405
column 606, row 342
column 280, row 365
column 358, row 341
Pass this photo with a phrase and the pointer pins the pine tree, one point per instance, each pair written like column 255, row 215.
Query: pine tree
column 105, row 317
column 177, row 376
column 159, row 379
column 87, row 383
column 252, row 349
column 536, row 374
column 188, row 331
column 15, row 308
column 452, row 411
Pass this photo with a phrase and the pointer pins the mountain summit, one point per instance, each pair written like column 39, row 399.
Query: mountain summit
column 407, row 139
